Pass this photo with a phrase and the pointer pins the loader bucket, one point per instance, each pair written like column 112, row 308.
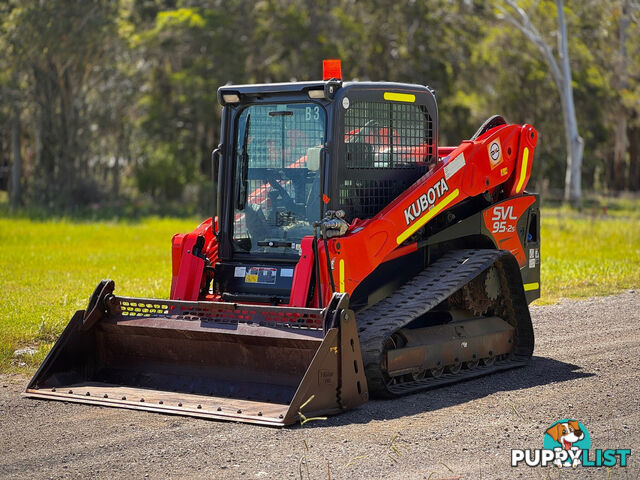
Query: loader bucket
column 259, row 364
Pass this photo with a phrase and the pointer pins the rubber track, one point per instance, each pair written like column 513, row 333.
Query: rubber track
column 425, row 291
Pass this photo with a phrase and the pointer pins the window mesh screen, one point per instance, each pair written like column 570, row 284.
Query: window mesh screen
column 365, row 198
column 387, row 135
column 387, row 147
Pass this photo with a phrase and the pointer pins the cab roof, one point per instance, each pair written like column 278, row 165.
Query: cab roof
column 260, row 89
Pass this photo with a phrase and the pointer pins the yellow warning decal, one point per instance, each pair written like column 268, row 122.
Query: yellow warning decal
column 341, row 273
column 400, row 97
column 251, row 278
column 523, row 169
column 531, row 286
column 427, row 216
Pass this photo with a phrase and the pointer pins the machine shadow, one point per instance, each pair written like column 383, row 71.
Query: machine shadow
column 540, row 371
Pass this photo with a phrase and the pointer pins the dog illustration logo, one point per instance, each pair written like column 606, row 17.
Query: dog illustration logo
column 567, row 444
column 568, row 435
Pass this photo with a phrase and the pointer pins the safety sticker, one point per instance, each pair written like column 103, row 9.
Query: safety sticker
column 532, row 263
column 240, row 272
column 453, row 166
column 286, row 272
column 250, row 278
column 495, row 153
column 261, row 275
column 534, row 256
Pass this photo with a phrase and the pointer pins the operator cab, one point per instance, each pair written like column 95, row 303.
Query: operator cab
column 291, row 152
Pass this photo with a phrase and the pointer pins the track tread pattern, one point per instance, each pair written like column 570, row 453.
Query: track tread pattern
column 425, row 291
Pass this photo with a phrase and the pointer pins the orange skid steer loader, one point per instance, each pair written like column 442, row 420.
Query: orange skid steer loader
column 348, row 255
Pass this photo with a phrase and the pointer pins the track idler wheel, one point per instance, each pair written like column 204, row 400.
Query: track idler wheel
column 454, row 368
column 487, row 362
column 472, row 364
column 394, row 341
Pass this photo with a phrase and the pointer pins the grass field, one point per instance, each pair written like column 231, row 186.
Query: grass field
column 587, row 255
column 49, row 269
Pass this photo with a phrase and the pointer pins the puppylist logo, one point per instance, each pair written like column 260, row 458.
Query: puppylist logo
column 567, row 443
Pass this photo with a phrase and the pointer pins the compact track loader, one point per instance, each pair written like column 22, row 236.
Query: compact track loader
column 348, row 256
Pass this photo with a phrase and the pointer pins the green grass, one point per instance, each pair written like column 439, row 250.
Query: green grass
column 48, row 269
column 589, row 254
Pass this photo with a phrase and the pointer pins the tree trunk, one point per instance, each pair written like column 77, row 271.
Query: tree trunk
column 16, row 168
column 573, row 178
column 45, row 182
column 633, row 134
column 65, row 157
column 561, row 73
column 115, row 171
column 618, row 169
column 38, row 160
column 575, row 143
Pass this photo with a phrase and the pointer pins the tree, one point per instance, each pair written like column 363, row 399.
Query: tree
column 10, row 92
column 624, row 106
column 16, row 166
column 114, row 99
column 187, row 54
column 58, row 46
column 561, row 72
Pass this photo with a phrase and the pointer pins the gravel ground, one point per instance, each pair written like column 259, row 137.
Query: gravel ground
column 585, row 367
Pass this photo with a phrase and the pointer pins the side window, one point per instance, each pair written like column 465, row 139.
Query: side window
column 387, row 135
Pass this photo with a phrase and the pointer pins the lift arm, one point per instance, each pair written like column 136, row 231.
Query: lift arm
column 502, row 156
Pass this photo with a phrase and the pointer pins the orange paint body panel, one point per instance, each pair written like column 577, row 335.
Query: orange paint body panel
column 501, row 220
column 187, row 269
column 528, row 140
column 302, row 274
